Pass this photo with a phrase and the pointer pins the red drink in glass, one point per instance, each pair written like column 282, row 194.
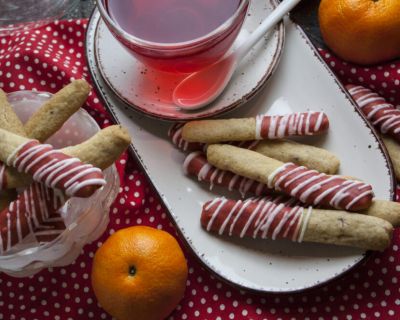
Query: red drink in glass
column 179, row 36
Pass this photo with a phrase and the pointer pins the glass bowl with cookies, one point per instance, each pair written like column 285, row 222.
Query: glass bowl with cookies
column 57, row 177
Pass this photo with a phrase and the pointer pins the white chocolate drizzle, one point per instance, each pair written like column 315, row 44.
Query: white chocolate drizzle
column 305, row 224
column 382, row 114
column 2, row 176
column 196, row 164
column 175, row 134
column 260, row 218
column 301, row 183
column 280, row 126
column 34, row 209
column 52, row 170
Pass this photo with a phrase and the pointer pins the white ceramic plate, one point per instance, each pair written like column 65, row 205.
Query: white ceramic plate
column 301, row 82
column 150, row 91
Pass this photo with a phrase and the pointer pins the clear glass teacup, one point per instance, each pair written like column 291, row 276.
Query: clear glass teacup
column 180, row 57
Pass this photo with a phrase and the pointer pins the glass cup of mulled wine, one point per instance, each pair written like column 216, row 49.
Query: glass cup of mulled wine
column 177, row 36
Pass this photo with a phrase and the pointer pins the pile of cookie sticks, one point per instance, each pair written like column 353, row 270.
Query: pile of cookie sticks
column 46, row 177
column 296, row 194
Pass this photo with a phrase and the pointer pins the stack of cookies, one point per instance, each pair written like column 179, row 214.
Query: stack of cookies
column 293, row 187
column 45, row 177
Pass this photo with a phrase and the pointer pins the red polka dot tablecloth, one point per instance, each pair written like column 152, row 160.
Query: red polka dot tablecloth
column 47, row 59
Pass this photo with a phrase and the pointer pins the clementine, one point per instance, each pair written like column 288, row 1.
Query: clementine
column 361, row 31
column 139, row 273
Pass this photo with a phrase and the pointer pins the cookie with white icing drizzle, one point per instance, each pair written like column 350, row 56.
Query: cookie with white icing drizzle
column 52, row 227
column 8, row 118
column 260, row 127
column 264, row 219
column 34, row 210
column 50, row 166
column 281, row 149
column 175, row 134
column 19, row 219
column 383, row 115
column 308, row 186
column 99, row 151
column 196, row 164
column 50, row 117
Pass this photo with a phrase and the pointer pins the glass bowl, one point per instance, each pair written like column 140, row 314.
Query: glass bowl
column 20, row 15
column 85, row 219
column 181, row 57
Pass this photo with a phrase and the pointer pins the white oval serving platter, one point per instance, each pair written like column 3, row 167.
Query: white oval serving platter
column 150, row 92
column 301, row 82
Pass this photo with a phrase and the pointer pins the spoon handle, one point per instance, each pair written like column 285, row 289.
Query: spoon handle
column 284, row 7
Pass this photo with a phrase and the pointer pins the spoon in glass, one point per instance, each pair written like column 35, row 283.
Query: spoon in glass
column 202, row 87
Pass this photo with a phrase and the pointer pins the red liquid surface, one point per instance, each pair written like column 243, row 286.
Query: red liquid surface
column 170, row 21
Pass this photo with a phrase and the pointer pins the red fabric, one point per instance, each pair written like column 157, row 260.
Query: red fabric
column 48, row 58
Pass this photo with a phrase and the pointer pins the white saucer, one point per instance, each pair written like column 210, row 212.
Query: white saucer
column 150, row 92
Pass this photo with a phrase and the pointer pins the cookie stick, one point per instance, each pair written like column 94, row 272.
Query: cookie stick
column 175, row 134
column 99, row 151
column 32, row 209
column 386, row 210
column 281, row 149
column 47, row 119
column 50, row 117
column 49, row 166
column 384, row 116
column 8, row 119
column 196, row 164
column 301, row 154
column 260, row 218
column 20, row 218
column 10, row 122
column 306, row 185
column 261, row 127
